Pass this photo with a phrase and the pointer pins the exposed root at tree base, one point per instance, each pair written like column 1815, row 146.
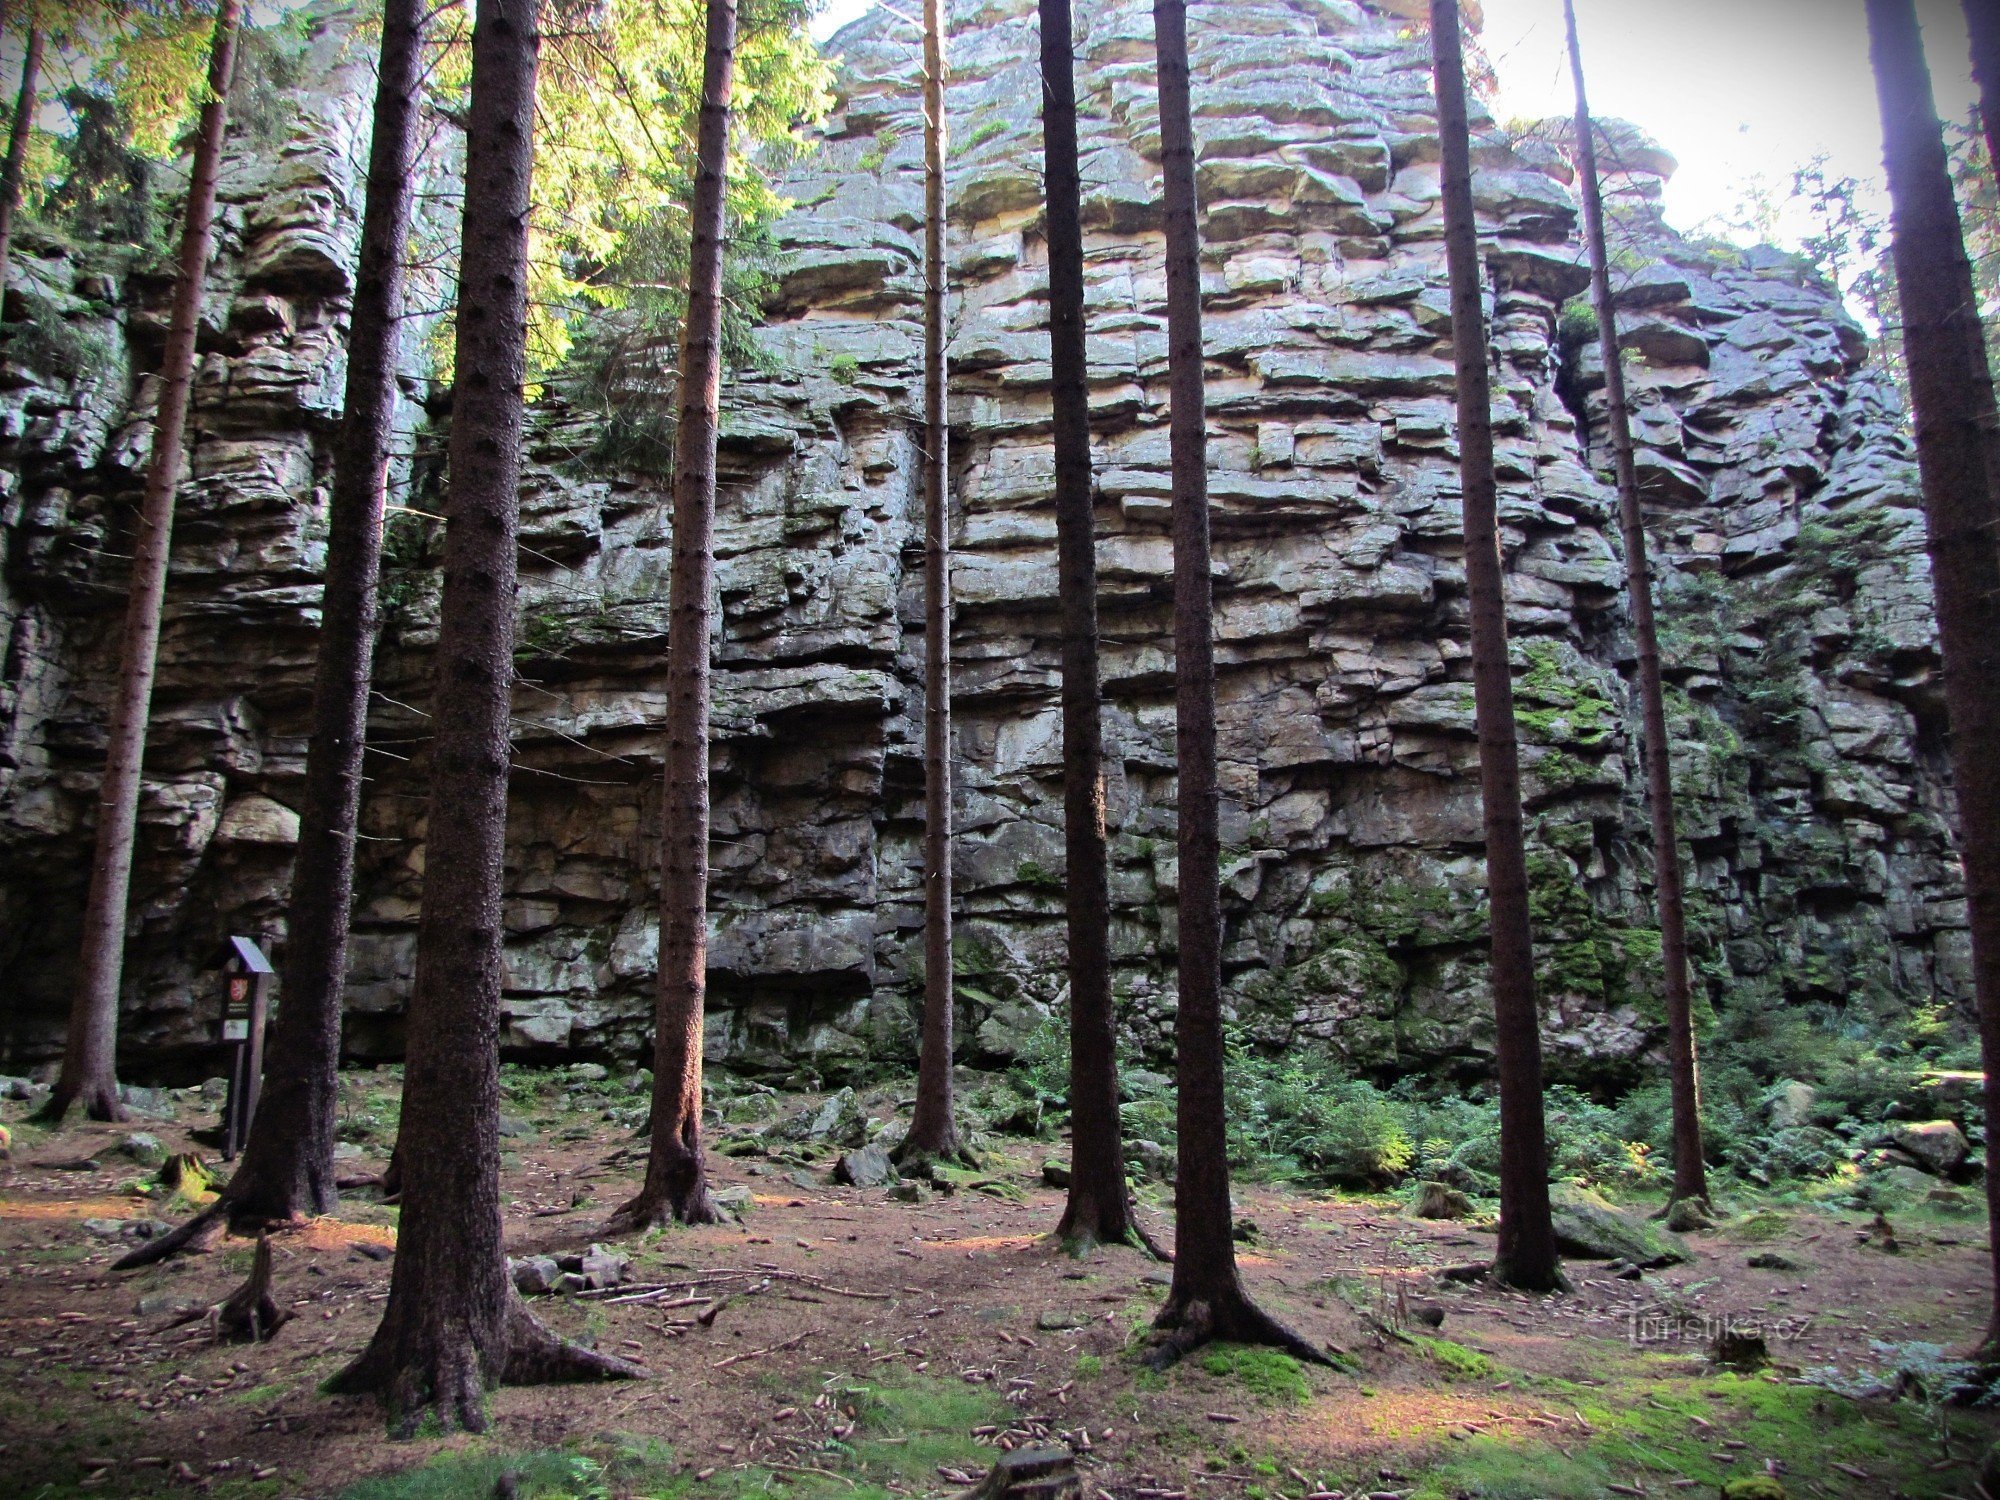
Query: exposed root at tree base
column 447, row 1382
column 1687, row 1215
column 656, row 1209
column 100, row 1102
column 1188, row 1325
column 203, row 1227
column 1078, row 1241
column 536, row 1356
column 1501, row 1274
column 916, row 1161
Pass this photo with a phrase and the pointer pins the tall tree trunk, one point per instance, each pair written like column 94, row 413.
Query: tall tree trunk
column 934, row 1124
column 453, row 1326
column 17, row 145
column 1100, row 1204
column 1690, row 1170
column 287, row 1168
column 89, row 1072
column 1207, row 1300
column 1982, row 24
column 1951, row 389
column 1527, row 1251
column 676, row 1185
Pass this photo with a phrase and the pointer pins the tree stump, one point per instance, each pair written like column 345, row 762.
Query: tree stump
column 1029, row 1474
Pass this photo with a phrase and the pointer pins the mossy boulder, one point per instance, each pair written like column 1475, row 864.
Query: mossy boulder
column 1436, row 1200
column 1591, row 1227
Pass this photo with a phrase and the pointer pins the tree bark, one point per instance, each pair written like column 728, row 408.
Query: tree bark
column 934, row 1124
column 89, row 1072
column 676, row 1185
column 1100, row 1203
column 1526, row 1256
column 17, row 145
column 1690, row 1169
column 287, row 1169
column 1207, row 1299
column 1982, row 24
column 1958, row 457
column 453, row 1326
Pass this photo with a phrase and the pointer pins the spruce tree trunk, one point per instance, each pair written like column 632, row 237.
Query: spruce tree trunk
column 453, row 1326
column 1207, row 1299
column 676, row 1186
column 934, row 1124
column 1100, row 1205
column 1526, row 1256
column 1982, row 24
column 288, row 1162
column 287, row 1169
column 1958, row 456
column 17, row 144
column 89, row 1073
column 1690, row 1169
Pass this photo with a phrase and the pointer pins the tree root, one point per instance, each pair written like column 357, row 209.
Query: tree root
column 653, row 1208
column 203, row 1227
column 1189, row 1324
column 913, row 1161
column 1501, row 1274
column 449, row 1381
column 99, row 1101
column 536, row 1356
column 1078, row 1243
column 1688, row 1215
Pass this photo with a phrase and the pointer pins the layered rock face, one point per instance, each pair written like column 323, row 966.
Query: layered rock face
column 1781, row 498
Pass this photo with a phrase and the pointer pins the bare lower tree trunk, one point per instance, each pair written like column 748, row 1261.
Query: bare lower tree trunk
column 1207, row 1299
column 17, row 145
column 287, row 1169
column 676, row 1185
column 453, row 1326
column 1958, row 455
column 1527, row 1250
column 1982, row 23
column 934, row 1124
column 1100, row 1204
column 1690, row 1169
column 89, row 1073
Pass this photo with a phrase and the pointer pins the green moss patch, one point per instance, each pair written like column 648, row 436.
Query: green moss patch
column 1270, row 1375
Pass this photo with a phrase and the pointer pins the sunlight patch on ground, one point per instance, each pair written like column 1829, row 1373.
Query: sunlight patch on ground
column 337, row 1234
column 54, row 1209
column 982, row 1242
column 1390, row 1419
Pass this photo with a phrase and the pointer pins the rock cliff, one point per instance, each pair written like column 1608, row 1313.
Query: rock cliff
column 1781, row 499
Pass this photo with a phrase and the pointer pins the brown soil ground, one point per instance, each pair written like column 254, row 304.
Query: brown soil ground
column 977, row 1333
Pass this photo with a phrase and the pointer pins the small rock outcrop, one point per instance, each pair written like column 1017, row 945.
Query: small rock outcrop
column 1781, row 496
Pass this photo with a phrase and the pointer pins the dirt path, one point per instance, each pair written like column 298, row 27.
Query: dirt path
column 977, row 1333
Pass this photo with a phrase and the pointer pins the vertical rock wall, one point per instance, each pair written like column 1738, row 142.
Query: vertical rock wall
column 1778, row 485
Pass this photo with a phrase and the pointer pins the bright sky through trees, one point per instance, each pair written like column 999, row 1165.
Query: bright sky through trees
column 1744, row 92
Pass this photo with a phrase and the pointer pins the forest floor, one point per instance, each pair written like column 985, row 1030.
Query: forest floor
column 976, row 1333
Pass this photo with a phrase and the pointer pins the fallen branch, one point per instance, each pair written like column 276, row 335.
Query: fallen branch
column 734, row 1359
column 632, row 1291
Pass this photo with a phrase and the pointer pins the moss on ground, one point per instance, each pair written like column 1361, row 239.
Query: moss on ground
column 1270, row 1375
column 1658, row 1425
